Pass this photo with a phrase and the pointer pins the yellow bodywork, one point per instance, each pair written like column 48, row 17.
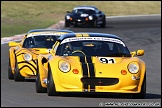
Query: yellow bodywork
column 72, row 81
column 16, row 54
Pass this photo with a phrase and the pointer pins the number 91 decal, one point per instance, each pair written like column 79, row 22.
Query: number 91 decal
column 107, row 60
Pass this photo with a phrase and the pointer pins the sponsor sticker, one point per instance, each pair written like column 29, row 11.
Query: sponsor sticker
column 92, row 38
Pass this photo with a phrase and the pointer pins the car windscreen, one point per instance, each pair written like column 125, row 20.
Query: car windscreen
column 83, row 11
column 93, row 48
column 42, row 41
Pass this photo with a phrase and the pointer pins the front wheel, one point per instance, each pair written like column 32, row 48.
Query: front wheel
column 51, row 91
column 103, row 25
column 18, row 76
column 10, row 74
column 39, row 88
column 95, row 23
column 142, row 94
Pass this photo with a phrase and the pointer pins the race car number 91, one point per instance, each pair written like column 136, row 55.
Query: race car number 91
column 106, row 60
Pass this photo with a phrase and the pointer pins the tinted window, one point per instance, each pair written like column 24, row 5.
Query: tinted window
column 45, row 41
column 83, row 11
column 93, row 48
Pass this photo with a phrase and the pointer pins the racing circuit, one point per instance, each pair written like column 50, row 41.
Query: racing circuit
column 138, row 32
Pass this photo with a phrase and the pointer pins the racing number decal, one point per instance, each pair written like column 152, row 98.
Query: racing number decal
column 106, row 60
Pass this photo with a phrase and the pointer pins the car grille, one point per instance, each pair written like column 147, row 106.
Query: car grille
column 99, row 81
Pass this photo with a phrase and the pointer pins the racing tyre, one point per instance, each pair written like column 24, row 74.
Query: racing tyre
column 39, row 88
column 10, row 74
column 17, row 75
column 103, row 25
column 67, row 24
column 51, row 91
column 95, row 23
column 142, row 94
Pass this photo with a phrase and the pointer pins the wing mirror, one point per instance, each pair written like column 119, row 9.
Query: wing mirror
column 68, row 12
column 12, row 44
column 44, row 51
column 99, row 12
column 137, row 53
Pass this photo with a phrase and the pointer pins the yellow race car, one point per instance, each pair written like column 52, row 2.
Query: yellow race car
column 91, row 62
column 22, row 55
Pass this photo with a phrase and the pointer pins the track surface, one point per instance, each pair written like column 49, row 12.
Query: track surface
column 142, row 32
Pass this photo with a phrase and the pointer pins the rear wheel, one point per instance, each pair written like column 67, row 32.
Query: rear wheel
column 51, row 91
column 17, row 75
column 39, row 88
column 142, row 94
column 10, row 74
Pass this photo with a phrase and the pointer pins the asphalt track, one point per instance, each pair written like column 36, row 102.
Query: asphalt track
column 139, row 32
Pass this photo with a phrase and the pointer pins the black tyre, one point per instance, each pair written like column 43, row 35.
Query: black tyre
column 103, row 25
column 17, row 75
column 67, row 24
column 95, row 23
column 10, row 74
column 142, row 94
column 51, row 91
column 38, row 86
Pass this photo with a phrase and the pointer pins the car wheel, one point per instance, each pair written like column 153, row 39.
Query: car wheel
column 39, row 88
column 51, row 91
column 10, row 74
column 17, row 75
column 142, row 94
column 103, row 25
column 95, row 23
column 67, row 24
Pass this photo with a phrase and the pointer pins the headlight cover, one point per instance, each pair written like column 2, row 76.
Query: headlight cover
column 67, row 17
column 64, row 66
column 90, row 17
column 28, row 57
column 133, row 67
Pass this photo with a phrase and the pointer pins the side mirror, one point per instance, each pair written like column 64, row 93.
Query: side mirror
column 140, row 52
column 12, row 44
column 137, row 53
column 68, row 12
column 45, row 51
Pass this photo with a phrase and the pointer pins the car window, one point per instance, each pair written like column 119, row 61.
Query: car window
column 43, row 41
column 83, row 11
column 93, row 48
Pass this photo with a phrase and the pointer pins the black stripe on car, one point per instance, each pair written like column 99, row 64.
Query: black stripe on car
column 91, row 71
column 85, row 71
column 27, row 66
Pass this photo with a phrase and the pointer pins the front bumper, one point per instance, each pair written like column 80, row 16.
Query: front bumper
column 80, row 22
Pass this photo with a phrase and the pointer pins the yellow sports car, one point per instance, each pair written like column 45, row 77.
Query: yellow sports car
column 91, row 62
column 22, row 55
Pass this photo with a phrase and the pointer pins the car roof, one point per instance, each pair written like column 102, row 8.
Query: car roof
column 46, row 30
column 87, row 34
column 36, row 32
column 90, row 7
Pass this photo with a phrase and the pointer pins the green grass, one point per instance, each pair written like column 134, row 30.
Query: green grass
column 18, row 17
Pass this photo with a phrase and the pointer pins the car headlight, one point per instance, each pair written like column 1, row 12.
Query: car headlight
column 67, row 17
column 90, row 17
column 133, row 67
column 28, row 57
column 64, row 66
